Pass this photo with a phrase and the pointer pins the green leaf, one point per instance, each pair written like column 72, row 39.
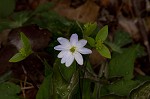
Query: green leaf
column 96, row 92
column 68, row 91
column 5, row 76
column 48, row 69
column 122, row 38
column 58, row 81
column 24, row 52
column 67, row 72
column 73, row 86
column 89, row 68
column 102, row 34
column 122, row 87
column 53, row 22
column 63, row 89
column 86, row 89
column 121, row 65
column 17, row 57
column 89, row 28
column 91, row 41
column 19, row 18
column 9, row 90
column 57, row 75
column 104, row 51
column 46, row 89
column 113, row 46
column 112, row 96
column 4, row 24
column 78, row 24
column 142, row 78
column 141, row 92
column 6, row 7
column 25, row 42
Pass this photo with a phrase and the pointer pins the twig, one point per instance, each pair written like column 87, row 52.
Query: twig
column 34, row 84
column 144, row 35
column 93, row 77
column 141, row 25
column 24, row 83
column 25, row 88
column 23, row 91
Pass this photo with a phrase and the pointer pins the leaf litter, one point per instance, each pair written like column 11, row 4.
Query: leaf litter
column 130, row 16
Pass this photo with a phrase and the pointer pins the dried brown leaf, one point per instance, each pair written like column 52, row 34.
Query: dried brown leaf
column 87, row 12
column 129, row 25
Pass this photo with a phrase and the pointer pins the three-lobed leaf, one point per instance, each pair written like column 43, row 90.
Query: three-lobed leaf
column 63, row 89
column 67, row 72
column 122, row 65
column 9, row 90
column 113, row 46
column 122, row 87
column 46, row 89
column 122, row 38
column 141, row 92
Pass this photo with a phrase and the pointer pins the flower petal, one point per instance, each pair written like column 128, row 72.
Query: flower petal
column 66, row 57
column 63, row 60
column 61, row 54
column 63, row 41
column 84, row 50
column 69, row 61
column 78, row 58
column 74, row 39
column 60, row 47
column 81, row 43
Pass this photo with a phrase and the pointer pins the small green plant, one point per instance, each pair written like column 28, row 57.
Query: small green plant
column 98, row 42
column 24, row 52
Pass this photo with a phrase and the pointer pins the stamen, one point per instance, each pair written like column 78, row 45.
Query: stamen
column 73, row 49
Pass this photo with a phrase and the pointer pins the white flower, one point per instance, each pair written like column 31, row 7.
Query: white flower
column 71, row 50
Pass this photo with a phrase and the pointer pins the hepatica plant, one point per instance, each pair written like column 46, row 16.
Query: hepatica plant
column 72, row 49
column 62, row 80
column 71, row 75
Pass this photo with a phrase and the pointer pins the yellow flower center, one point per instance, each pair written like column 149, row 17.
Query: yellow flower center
column 73, row 49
